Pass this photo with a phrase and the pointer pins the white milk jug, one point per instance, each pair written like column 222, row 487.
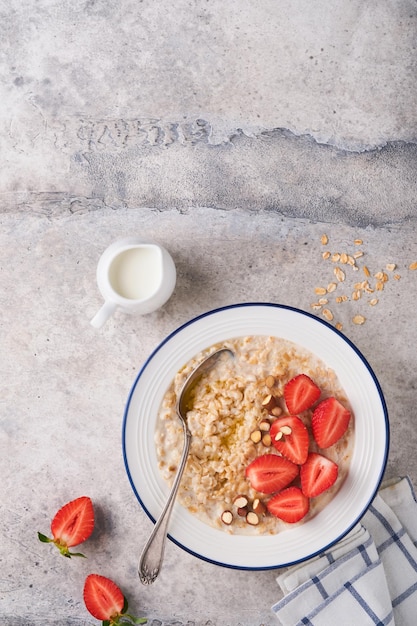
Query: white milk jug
column 135, row 276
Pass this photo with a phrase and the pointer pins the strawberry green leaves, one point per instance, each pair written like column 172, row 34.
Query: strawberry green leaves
column 72, row 524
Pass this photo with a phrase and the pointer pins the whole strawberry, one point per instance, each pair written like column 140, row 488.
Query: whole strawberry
column 72, row 525
column 106, row 602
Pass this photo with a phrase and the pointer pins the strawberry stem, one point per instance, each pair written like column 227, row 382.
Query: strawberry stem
column 62, row 547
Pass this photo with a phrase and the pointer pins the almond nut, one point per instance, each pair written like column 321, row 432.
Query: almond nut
column 240, row 501
column 227, row 517
column 258, row 507
column 276, row 411
column 269, row 402
column 256, row 436
column 264, row 426
column 252, row 518
column 266, row 440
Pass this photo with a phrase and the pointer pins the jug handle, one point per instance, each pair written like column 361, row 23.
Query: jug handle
column 103, row 314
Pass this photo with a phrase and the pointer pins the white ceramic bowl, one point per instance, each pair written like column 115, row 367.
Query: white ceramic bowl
column 369, row 454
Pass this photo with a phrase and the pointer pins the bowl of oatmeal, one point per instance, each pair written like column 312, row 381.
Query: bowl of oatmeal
column 240, row 419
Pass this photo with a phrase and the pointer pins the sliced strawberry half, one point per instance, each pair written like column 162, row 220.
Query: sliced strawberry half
column 103, row 598
column 270, row 473
column 290, row 505
column 317, row 475
column 71, row 525
column 300, row 393
column 290, row 437
column 329, row 422
column 106, row 602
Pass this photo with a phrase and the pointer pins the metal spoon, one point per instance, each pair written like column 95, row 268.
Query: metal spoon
column 151, row 558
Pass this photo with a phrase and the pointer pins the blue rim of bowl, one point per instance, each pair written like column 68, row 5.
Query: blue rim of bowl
column 352, row 346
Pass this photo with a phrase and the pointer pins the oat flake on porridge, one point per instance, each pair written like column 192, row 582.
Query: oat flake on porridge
column 228, row 406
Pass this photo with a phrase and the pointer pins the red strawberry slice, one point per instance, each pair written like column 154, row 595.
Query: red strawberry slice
column 72, row 525
column 290, row 437
column 102, row 597
column 300, row 393
column 290, row 505
column 317, row 475
column 270, row 473
column 329, row 422
column 105, row 601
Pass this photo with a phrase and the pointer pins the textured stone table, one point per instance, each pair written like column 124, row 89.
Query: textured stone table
column 65, row 384
column 235, row 136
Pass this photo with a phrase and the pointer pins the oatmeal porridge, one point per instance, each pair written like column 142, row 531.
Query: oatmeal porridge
column 238, row 413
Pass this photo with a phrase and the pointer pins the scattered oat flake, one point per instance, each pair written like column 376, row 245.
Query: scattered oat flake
column 359, row 319
column 316, row 306
column 335, row 257
column 339, row 326
column 413, row 266
column 331, row 287
column 358, row 254
column 379, row 286
column 397, row 276
column 344, row 258
column 373, row 302
column 390, row 267
column 358, row 242
column 326, row 255
column 366, row 271
column 350, row 260
column 320, row 291
column 328, row 314
column 323, row 301
column 324, row 240
column 339, row 273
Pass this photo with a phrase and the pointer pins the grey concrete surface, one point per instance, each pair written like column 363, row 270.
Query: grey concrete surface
column 235, row 135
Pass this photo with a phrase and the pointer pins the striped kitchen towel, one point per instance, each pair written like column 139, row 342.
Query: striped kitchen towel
column 369, row 577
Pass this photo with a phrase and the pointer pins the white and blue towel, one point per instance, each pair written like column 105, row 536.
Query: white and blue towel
column 369, row 577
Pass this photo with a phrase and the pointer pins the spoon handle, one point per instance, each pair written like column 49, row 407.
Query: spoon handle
column 151, row 558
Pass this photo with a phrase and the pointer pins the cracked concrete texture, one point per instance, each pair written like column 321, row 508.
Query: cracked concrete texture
column 276, row 172
column 345, row 76
column 213, row 104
